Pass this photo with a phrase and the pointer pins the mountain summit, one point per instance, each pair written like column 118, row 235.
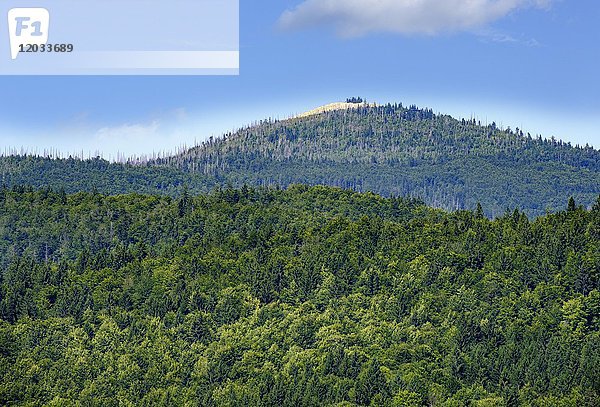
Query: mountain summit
column 335, row 106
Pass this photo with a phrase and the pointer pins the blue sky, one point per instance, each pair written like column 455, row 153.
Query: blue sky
column 532, row 64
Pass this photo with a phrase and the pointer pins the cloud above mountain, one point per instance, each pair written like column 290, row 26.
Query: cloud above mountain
column 354, row 18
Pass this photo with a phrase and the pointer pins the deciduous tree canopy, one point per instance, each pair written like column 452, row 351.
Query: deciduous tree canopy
column 299, row 297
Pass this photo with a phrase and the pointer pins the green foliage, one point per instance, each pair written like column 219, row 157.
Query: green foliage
column 391, row 150
column 299, row 297
column 405, row 151
column 95, row 174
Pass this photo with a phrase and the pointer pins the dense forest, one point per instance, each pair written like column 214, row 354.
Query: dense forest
column 391, row 150
column 97, row 174
column 296, row 297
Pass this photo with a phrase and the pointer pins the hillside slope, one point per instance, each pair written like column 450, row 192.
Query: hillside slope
column 96, row 174
column 394, row 150
column 389, row 149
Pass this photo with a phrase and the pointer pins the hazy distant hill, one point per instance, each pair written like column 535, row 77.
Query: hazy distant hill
column 390, row 149
column 74, row 175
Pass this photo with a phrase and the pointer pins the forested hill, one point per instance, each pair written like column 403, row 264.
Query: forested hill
column 391, row 150
column 303, row 297
column 394, row 150
column 97, row 175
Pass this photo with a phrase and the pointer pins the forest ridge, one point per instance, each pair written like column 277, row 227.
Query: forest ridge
column 391, row 150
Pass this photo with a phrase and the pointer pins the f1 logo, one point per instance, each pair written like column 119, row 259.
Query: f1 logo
column 27, row 26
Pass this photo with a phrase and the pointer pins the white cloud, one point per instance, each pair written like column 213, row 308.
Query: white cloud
column 142, row 138
column 494, row 36
column 353, row 18
column 161, row 131
column 127, row 133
